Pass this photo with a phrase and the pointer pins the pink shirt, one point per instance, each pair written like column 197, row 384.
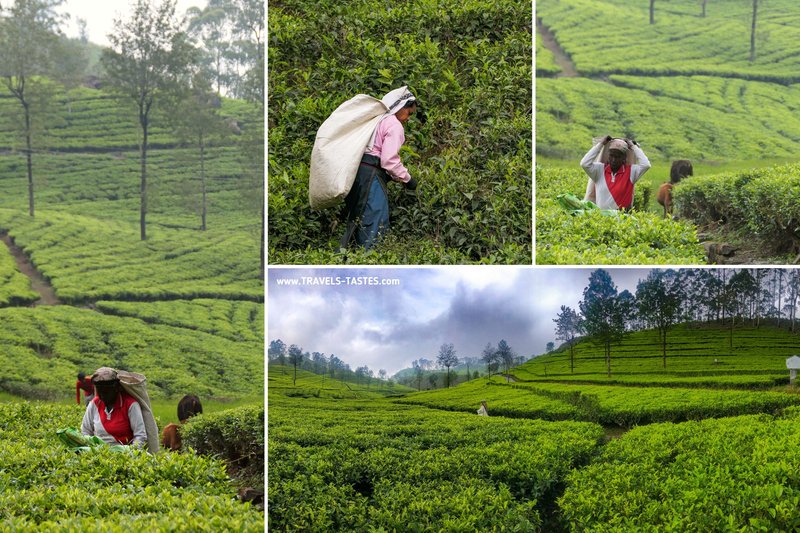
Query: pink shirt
column 389, row 137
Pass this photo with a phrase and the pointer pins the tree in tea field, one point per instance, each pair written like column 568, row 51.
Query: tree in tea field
column 659, row 300
column 211, row 27
column 418, row 373
column 295, row 358
column 569, row 325
column 29, row 43
column 197, row 122
column 447, row 358
column 506, row 356
column 605, row 312
column 147, row 62
column 490, row 357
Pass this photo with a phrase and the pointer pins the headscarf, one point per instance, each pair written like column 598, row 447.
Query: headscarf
column 105, row 374
column 618, row 144
column 396, row 99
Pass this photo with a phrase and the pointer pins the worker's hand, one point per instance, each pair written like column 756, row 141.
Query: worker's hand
column 411, row 184
column 607, row 139
column 632, row 143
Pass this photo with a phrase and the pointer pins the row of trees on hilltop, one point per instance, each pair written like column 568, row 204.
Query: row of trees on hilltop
column 158, row 64
column 319, row 363
column 666, row 298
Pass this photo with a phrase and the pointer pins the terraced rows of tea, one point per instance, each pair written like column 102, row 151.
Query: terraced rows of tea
column 184, row 307
column 686, row 86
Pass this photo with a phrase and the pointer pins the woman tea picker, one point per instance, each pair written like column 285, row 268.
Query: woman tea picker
column 114, row 415
column 367, row 203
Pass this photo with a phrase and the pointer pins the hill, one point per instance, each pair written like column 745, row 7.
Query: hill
column 184, row 307
column 686, row 86
column 281, row 380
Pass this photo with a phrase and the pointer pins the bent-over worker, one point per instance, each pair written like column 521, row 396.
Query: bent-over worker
column 367, row 203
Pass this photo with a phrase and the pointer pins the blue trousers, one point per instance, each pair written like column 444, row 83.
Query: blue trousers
column 367, row 205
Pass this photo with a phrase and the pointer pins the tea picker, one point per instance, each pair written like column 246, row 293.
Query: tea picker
column 613, row 166
column 356, row 156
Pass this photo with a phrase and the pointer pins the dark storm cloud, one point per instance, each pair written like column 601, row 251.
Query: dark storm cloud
column 388, row 326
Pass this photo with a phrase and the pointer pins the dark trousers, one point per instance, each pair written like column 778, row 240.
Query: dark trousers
column 367, row 204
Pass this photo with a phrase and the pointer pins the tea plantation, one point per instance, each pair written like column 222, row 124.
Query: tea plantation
column 685, row 87
column 184, row 308
column 469, row 65
column 706, row 445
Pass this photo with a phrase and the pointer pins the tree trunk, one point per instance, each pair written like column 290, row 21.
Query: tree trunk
column 703, row 5
column 752, row 32
column 608, row 358
column 571, row 358
column 29, row 156
column 664, row 347
column 143, row 183
column 203, row 183
column 652, row 12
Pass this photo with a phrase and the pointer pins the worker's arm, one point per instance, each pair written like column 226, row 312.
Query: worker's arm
column 594, row 170
column 642, row 164
column 87, row 426
column 78, row 392
column 390, row 151
column 137, row 425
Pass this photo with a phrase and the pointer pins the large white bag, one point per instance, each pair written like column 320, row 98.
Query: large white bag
column 136, row 385
column 338, row 148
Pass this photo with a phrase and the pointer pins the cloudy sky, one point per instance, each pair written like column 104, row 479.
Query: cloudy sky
column 387, row 317
column 100, row 14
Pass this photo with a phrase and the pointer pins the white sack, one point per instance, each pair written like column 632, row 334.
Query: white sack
column 338, row 148
column 136, row 385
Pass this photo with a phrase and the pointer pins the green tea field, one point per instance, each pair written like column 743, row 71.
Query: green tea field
column 183, row 307
column 702, row 81
column 705, row 445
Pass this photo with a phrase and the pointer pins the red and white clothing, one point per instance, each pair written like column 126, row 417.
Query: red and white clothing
column 389, row 137
column 120, row 424
column 86, row 386
column 613, row 190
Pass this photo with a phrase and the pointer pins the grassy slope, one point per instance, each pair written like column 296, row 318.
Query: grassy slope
column 85, row 240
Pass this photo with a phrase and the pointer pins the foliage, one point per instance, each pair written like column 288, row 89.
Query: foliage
column 231, row 319
column 680, row 42
column 106, row 490
column 44, row 348
column 235, row 435
column 15, row 287
column 469, row 64
column 728, row 474
column 593, row 238
column 764, row 202
column 355, row 465
column 280, row 380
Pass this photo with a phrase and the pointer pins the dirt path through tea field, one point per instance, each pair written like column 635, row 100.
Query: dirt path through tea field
column 568, row 69
column 47, row 296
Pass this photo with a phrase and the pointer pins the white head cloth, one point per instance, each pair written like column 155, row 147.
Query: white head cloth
column 396, row 99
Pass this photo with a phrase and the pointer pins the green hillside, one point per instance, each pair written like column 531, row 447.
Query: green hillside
column 685, row 87
column 281, row 380
column 184, row 307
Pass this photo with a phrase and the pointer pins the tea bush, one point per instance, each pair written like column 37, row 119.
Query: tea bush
column 763, row 202
column 351, row 465
column 728, row 474
column 235, row 435
column 469, row 64
column 42, row 349
column 594, row 237
column 47, row 487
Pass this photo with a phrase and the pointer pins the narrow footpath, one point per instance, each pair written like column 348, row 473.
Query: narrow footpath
column 568, row 69
column 47, row 296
